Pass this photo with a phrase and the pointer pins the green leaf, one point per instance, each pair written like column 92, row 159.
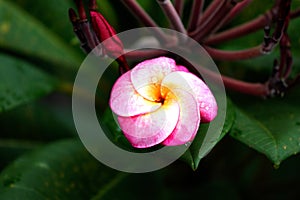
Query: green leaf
column 106, row 8
column 256, row 135
column 20, row 83
column 24, row 35
column 271, row 126
column 113, row 131
column 46, row 122
column 11, row 149
column 203, row 142
column 158, row 16
column 58, row 20
column 63, row 170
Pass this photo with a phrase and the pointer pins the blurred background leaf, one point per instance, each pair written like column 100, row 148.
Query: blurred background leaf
column 21, row 82
column 23, row 35
column 74, row 174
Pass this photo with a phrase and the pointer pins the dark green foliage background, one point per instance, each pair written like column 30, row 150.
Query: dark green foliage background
column 41, row 157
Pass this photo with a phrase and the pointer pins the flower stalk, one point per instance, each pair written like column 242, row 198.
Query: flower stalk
column 143, row 17
column 234, row 55
column 172, row 15
column 211, row 25
column 179, row 4
column 236, row 10
column 196, row 13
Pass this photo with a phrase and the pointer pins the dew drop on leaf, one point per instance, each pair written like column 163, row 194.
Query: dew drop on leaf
column 284, row 147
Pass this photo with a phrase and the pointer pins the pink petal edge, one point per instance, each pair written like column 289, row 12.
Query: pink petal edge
column 189, row 119
column 191, row 83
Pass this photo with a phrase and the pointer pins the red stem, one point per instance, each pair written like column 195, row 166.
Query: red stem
column 208, row 14
column 179, row 4
column 195, row 14
column 144, row 54
column 255, row 89
column 295, row 13
column 234, row 55
column 240, row 30
column 172, row 15
column 143, row 16
column 93, row 5
column 80, row 9
column 236, row 10
column 213, row 22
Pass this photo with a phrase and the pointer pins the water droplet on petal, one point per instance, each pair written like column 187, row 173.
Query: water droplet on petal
column 202, row 105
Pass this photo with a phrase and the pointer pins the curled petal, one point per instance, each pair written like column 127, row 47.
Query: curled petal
column 125, row 101
column 191, row 83
column 189, row 119
column 146, row 77
column 150, row 129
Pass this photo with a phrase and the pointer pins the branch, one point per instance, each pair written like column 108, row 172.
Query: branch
column 143, row 16
column 254, row 89
column 295, row 13
column 213, row 23
column 172, row 15
column 195, row 14
column 234, row 55
column 285, row 47
column 241, row 30
column 283, row 10
column 144, row 54
column 207, row 16
column 179, row 4
column 236, row 10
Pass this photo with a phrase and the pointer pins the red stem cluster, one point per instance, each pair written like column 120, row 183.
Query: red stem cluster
column 204, row 26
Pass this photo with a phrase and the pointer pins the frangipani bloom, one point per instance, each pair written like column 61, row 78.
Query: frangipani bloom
column 161, row 102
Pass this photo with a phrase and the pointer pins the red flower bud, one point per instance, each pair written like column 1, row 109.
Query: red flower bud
column 101, row 31
column 113, row 47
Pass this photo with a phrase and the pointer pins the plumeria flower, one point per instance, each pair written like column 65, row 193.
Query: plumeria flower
column 159, row 102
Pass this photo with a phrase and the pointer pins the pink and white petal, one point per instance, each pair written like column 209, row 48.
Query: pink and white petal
column 147, row 76
column 189, row 119
column 191, row 83
column 151, row 129
column 125, row 101
column 181, row 68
